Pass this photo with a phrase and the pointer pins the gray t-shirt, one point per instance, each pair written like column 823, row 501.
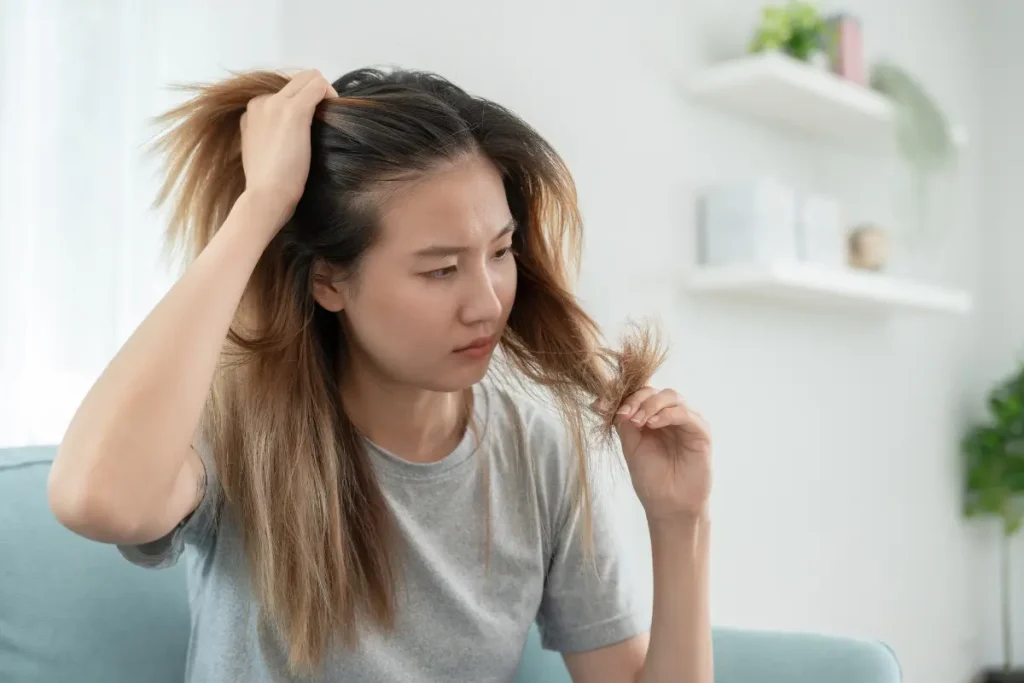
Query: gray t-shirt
column 455, row 622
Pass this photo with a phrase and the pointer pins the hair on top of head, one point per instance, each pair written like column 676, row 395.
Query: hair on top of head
column 274, row 421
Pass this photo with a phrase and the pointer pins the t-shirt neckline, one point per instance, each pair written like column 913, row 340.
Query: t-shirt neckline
column 387, row 462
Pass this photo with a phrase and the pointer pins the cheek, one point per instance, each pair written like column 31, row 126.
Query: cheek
column 400, row 312
column 505, row 287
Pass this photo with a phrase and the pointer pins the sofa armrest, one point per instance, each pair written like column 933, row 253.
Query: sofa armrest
column 743, row 656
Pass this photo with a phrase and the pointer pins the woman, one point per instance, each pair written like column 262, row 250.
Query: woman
column 311, row 416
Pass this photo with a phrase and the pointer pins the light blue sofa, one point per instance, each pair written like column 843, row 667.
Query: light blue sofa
column 73, row 611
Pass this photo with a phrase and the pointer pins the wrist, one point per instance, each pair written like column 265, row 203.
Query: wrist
column 679, row 525
column 266, row 209
column 680, row 545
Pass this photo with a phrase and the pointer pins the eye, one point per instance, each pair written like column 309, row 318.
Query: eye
column 440, row 273
column 502, row 253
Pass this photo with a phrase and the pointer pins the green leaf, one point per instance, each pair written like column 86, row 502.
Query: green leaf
column 971, row 507
column 985, row 463
column 796, row 28
column 1006, row 402
column 1014, row 481
column 979, row 479
column 1012, row 523
column 992, row 501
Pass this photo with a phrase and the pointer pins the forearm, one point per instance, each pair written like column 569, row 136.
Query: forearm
column 680, row 646
column 131, row 432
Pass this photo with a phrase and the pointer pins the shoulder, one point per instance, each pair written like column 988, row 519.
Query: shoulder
column 529, row 439
column 529, row 450
column 536, row 425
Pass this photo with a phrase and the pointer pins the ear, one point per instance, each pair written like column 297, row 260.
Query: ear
column 328, row 287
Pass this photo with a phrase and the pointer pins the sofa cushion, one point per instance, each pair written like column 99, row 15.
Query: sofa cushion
column 71, row 610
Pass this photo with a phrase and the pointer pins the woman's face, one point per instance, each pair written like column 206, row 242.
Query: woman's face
column 432, row 297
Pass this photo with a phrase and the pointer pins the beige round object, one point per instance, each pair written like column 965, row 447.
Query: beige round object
column 869, row 248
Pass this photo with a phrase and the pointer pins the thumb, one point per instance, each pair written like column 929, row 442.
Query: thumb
column 629, row 436
column 314, row 92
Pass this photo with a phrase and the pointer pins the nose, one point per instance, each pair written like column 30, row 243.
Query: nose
column 481, row 301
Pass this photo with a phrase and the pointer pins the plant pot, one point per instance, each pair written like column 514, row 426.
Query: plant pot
column 1002, row 676
column 820, row 60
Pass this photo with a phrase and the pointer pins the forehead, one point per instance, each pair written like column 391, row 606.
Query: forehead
column 461, row 201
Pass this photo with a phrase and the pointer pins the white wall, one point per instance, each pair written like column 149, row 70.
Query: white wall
column 1001, row 337
column 836, row 503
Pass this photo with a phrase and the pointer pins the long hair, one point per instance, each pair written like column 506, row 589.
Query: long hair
column 274, row 418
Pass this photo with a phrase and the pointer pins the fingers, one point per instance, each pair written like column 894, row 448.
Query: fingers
column 299, row 81
column 654, row 409
column 653, row 404
column 678, row 415
column 313, row 92
column 629, row 410
column 656, row 404
column 306, row 89
column 254, row 103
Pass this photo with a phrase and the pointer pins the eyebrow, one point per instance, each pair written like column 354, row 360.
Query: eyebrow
column 440, row 250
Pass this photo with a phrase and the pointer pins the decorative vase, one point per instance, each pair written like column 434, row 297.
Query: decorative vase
column 869, row 248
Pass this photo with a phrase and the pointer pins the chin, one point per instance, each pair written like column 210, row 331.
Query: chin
column 456, row 379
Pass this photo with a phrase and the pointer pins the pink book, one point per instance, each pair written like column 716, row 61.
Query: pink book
column 847, row 48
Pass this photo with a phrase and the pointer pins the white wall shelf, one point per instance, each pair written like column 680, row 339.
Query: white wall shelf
column 803, row 97
column 833, row 288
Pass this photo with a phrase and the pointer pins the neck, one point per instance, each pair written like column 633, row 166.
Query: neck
column 415, row 424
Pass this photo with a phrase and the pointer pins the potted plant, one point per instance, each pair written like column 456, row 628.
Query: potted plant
column 796, row 29
column 994, row 459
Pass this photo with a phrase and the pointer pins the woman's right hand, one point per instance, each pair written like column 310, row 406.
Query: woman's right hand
column 275, row 141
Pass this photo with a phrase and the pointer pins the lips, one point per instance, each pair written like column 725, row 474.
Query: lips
column 478, row 343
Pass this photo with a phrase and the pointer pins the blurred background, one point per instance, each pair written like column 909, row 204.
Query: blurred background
column 819, row 204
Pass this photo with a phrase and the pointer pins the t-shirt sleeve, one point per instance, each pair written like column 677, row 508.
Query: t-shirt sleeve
column 590, row 601
column 196, row 528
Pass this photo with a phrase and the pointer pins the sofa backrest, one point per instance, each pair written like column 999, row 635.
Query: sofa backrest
column 72, row 609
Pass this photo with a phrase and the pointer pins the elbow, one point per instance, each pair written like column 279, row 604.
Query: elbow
column 85, row 507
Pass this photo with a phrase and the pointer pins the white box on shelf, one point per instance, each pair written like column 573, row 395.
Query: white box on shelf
column 748, row 223
column 820, row 231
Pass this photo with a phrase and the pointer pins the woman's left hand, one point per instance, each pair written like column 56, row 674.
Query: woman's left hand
column 668, row 452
